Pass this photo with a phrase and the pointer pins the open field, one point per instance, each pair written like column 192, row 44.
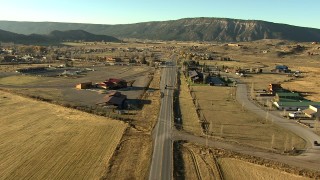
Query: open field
column 309, row 84
column 197, row 165
column 231, row 168
column 190, row 120
column 230, row 121
column 41, row 141
column 132, row 159
column 197, row 162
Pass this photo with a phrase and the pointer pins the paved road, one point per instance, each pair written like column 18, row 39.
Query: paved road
column 161, row 165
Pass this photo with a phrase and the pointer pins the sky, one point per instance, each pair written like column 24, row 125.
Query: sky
column 304, row 13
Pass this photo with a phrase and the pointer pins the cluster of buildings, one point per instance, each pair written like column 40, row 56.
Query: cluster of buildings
column 293, row 101
column 111, row 84
column 202, row 74
column 113, row 99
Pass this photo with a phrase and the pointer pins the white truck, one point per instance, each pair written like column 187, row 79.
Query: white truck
column 297, row 114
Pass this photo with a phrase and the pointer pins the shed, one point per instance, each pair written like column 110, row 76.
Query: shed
column 313, row 111
column 85, row 85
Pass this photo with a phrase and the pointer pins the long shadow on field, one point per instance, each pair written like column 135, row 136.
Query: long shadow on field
column 137, row 104
column 136, row 88
column 178, row 163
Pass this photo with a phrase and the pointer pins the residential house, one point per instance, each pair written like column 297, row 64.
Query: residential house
column 215, row 81
column 195, row 76
column 281, row 69
column 114, row 98
column 113, row 83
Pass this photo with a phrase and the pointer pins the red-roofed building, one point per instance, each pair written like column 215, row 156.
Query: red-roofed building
column 113, row 83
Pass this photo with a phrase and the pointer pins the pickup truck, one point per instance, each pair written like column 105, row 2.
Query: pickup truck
column 297, row 114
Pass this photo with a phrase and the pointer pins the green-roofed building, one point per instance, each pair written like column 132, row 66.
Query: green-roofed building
column 292, row 101
column 288, row 96
column 294, row 106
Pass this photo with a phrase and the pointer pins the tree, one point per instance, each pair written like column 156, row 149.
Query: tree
column 143, row 60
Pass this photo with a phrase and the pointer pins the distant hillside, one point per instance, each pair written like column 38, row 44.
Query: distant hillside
column 190, row 29
column 54, row 37
column 7, row 36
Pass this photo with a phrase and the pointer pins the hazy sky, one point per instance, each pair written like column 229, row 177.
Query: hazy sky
column 295, row 12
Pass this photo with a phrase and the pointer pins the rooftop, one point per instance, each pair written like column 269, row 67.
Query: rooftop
column 298, row 103
column 288, row 94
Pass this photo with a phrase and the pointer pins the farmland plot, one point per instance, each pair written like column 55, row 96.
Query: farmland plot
column 45, row 141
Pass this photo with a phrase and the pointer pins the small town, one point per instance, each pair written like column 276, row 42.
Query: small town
column 159, row 90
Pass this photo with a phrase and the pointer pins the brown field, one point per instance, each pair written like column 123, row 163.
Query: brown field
column 45, row 141
column 231, row 168
column 309, row 84
column 190, row 120
column 193, row 159
column 231, row 122
column 132, row 159
column 148, row 116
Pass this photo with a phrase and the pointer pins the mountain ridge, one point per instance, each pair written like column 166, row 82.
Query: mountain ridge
column 54, row 37
column 186, row 29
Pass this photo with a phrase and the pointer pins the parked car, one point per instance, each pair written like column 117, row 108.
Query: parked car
column 297, row 114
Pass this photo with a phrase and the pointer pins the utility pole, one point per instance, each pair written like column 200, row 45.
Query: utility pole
column 272, row 141
column 221, row 130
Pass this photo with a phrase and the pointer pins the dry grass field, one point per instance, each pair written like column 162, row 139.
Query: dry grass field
column 148, row 116
column 190, row 120
column 20, row 80
column 45, row 141
column 199, row 163
column 238, row 169
column 132, row 159
column 231, row 122
column 193, row 159
column 308, row 84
